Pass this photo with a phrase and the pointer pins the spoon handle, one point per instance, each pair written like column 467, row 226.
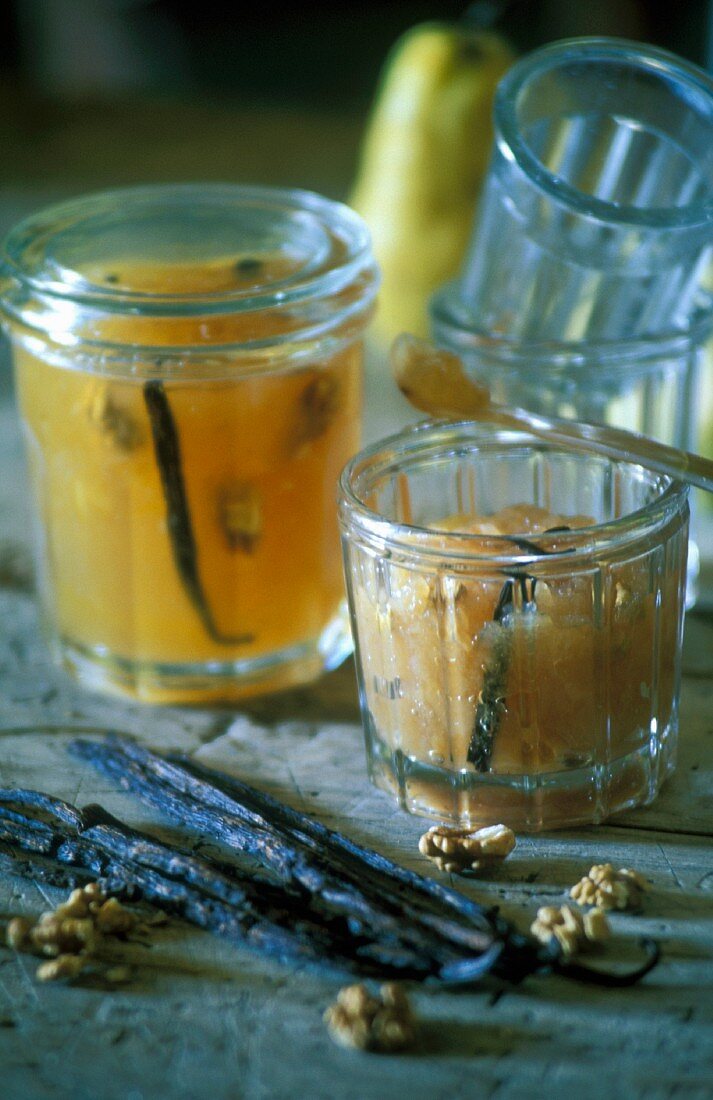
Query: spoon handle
column 613, row 443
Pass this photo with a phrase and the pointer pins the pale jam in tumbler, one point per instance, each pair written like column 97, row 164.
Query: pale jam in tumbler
column 188, row 367
column 517, row 612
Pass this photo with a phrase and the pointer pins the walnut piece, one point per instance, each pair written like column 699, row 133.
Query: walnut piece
column 64, row 966
column 72, row 934
column 318, row 405
column 82, row 903
column 573, row 930
column 240, row 515
column 596, row 926
column 54, row 935
column 610, row 889
column 118, row 974
column 17, row 933
column 361, row 1021
column 115, row 423
column 458, row 850
column 112, row 919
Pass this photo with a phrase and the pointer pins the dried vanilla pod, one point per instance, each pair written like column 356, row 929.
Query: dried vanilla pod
column 457, row 850
column 517, row 598
column 409, row 925
column 573, row 930
column 240, row 515
column 361, row 1021
column 179, row 520
column 112, row 420
column 248, row 266
column 610, row 889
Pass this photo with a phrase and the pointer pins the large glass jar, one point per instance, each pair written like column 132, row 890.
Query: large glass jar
column 517, row 611
column 188, row 368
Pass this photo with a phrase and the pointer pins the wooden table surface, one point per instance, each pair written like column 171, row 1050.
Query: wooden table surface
column 203, row 1018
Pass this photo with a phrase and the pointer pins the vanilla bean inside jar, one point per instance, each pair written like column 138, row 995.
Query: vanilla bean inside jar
column 517, row 611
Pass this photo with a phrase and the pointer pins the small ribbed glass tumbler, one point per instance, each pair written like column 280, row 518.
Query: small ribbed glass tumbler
column 517, row 612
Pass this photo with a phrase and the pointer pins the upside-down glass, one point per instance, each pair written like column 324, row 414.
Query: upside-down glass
column 188, row 368
column 596, row 220
column 586, row 288
column 530, row 678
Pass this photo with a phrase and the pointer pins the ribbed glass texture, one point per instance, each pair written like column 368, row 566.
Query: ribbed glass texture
column 532, row 680
column 596, row 220
column 585, row 289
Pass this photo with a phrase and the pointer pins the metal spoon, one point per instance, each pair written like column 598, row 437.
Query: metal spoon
column 434, row 381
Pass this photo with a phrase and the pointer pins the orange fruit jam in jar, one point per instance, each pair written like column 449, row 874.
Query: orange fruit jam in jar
column 188, row 364
column 517, row 612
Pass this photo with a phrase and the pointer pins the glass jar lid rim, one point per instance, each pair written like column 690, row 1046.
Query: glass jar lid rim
column 24, row 254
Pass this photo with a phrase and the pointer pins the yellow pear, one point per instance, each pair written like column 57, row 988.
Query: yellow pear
column 424, row 156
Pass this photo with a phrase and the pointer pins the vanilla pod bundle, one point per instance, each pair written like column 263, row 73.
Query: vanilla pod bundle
column 275, row 879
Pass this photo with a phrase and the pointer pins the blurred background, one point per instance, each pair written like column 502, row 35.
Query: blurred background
column 103, row 93
column 96, row 93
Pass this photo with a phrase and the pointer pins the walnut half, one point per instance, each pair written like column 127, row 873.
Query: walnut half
column 573, row 930
column 319, row 403
column 240, row 515
column 459, row 850
column 364, row 1022
column 64, row 966
column 113, row 421
column 610, row 889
